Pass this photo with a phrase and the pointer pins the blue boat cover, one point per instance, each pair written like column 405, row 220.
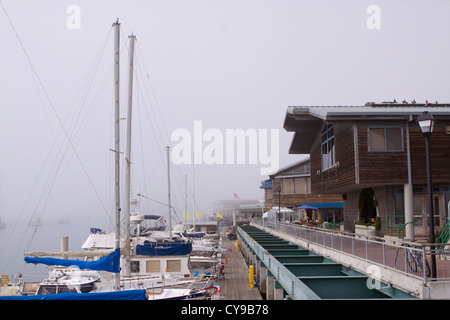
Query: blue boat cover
column 113, row 295
column 110, row 263
column 164, row 249
column 95, row 230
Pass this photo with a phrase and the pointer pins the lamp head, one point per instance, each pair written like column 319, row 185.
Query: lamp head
column 426, row 123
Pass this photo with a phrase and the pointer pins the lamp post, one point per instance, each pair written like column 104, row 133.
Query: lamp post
column 426, row 124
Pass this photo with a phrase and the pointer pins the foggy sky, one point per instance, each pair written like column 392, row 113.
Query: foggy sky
column 229, row 64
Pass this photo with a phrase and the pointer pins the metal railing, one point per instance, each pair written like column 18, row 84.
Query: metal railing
column 409, row 258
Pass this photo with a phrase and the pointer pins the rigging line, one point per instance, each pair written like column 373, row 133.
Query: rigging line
column 160, row 134
column 141, row 139
column 146, row 179
column 49, row 188
column 84, row 90
column 140, row 72
column 153, row 91
column 157, row 134
column 89, row 79
column 178, row 170
column 51, row 104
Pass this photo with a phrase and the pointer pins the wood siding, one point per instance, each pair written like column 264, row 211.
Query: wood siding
column 381, row 167
column 439, row 150
column 295, row 200
column 364, row 168
column 343, row 173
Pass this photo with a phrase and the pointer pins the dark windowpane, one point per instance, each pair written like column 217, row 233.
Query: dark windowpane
column 377, row 139
column 394, row 139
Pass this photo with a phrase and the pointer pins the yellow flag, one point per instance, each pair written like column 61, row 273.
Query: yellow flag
column 219, row 215
column 198, row 213
column 187, row 216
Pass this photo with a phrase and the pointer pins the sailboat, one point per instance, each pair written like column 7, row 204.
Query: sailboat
column 142, row 266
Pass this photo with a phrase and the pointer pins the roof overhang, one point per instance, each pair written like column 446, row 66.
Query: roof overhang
column 306, row 122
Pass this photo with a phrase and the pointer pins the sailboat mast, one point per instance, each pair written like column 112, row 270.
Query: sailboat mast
column 185, row 200
column 168, row 187
column 127, row 195
column 117, row 140
column 193, row 192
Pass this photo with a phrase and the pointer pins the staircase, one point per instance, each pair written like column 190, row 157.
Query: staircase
column 444, row 236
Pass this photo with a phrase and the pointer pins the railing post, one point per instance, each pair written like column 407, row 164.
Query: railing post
column 353, row 245
column 424, row 265
column 367, row 248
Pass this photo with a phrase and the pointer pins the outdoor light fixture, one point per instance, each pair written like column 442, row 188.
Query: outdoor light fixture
column 426, row 124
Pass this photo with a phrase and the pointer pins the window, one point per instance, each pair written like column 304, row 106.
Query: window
column 135, row 266
column 152, row 266
column 174, row 265
column 288, row 185
column 302, row 185
column 47, row 290
column 385, row 139
column 296, row 185
column 62, row 289
column 328, row 158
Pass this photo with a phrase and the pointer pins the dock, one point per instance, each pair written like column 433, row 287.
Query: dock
column 290, row 271
column 236, row 284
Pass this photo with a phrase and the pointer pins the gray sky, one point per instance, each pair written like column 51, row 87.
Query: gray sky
column 229, row 64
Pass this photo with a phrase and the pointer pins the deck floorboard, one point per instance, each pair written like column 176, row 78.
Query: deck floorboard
column 235, row 285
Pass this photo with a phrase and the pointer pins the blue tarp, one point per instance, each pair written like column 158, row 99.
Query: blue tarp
column 266, row 184
column 110, row 263
column 164, row 249
column 113, row 295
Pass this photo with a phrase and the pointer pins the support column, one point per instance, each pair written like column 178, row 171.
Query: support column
column 270, row 284
column 409, row 217
column 408, row 190
column 257, row 267
column 64, row 246
column 262, row 279
column 278, row 291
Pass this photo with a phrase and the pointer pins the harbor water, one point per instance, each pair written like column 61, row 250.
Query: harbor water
column 18, row 238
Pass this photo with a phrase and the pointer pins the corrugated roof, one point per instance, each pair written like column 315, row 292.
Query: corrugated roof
column 322, row 112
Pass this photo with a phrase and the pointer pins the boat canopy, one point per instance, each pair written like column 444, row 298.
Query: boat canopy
column 109, row 263
column 178, row 248
column 112, row 295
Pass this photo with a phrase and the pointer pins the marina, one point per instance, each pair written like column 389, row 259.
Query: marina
column 234, row 153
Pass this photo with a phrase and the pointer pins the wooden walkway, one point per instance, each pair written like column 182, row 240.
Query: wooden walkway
column 236, row 285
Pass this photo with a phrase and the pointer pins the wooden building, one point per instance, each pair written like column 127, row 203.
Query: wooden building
column 290, row 187
column 374, row 156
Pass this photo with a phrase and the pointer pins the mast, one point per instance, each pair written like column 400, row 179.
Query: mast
column 117, row 141
column 193, row 192
column 185, row 200
column 168, row 187
column 127, row 196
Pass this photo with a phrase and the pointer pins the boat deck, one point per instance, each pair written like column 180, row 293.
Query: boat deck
column 236, row 285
